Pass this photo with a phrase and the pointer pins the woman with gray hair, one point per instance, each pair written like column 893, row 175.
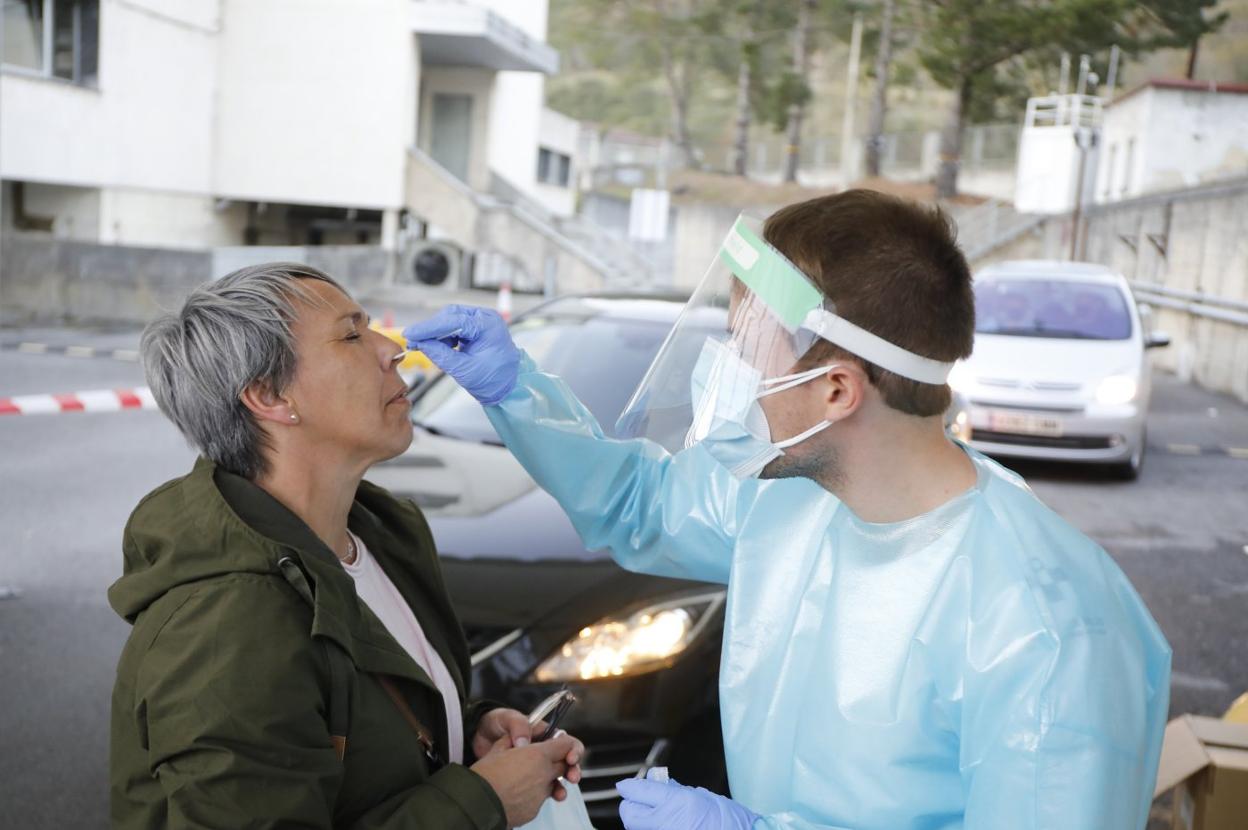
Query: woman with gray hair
column 295, row 660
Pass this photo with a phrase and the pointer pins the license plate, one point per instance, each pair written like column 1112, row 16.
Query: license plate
column 1022, row 423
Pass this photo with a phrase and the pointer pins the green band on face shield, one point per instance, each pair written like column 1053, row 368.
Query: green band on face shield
column 785, row 290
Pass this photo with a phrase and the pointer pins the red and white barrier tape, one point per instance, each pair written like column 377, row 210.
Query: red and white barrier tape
column 101, row 400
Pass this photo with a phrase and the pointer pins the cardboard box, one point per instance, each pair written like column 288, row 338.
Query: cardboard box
column 1205, row 762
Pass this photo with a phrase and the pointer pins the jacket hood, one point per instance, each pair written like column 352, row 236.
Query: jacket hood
column 184, row 531
column 210, row 523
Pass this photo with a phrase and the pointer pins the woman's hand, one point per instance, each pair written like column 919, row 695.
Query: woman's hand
column 498, row 724
column 501, row 723
column 524, row 777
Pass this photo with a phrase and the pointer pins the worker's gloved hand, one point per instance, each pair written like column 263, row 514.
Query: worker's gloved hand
column 666, row 805
column 487, row 361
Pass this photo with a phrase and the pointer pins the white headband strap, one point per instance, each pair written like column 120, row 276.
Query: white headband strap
column 875, row 349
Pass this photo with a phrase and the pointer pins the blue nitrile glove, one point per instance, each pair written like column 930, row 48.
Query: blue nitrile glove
column 666, row 805
column 487, row 361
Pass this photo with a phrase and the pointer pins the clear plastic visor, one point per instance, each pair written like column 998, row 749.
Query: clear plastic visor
column 741, row 327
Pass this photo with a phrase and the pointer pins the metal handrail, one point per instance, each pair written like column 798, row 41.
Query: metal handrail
column 1214, row 189
column 1195, row 309
column 492, row 204
column 1192, row 296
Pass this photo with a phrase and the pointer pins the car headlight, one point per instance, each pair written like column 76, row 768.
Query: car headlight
column 643, row 641
column 960, row 378
column 1117, row 389
column 961, row 426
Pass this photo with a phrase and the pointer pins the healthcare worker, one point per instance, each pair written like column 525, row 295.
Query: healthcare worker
column 912, row 640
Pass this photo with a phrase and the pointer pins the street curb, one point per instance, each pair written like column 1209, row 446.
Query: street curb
column 126, row 355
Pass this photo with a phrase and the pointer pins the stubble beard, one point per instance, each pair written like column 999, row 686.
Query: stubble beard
column 821, row 465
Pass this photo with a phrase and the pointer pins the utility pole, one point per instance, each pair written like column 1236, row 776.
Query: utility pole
column 797, row 109
column 879, row 101
column 1085, row 66
column 1114, row 56
column 1085, row 140
column 851, row 102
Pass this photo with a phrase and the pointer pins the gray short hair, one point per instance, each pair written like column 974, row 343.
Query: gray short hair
column 230, row 333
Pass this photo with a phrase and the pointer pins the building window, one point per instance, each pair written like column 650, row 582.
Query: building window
column 1128, row 162
column 54, row 38
column 553, row 168
column 1110, row 170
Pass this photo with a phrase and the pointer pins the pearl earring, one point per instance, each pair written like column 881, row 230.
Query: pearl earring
column 294, row 417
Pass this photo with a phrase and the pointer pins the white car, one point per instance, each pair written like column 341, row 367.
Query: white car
column 1060, row 369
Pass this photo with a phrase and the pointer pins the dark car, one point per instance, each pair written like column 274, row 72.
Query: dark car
column 640, row 652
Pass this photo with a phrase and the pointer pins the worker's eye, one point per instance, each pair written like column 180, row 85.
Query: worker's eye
column 354, row 335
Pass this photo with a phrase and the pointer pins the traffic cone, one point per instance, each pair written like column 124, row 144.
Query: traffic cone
column 504, row 300
column 387, row 319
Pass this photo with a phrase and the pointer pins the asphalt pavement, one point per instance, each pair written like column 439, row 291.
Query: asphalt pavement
column 68, row 481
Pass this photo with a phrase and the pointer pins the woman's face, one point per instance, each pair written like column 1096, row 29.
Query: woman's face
column 346, row 390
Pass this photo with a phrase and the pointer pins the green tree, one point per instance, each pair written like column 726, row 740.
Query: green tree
column 1185, row 23
column 748, row 41
column 980, row 48
column 637, row 38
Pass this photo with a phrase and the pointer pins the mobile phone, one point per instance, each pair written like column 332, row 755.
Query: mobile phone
column 552, row 710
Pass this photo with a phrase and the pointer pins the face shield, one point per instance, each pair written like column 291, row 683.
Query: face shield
column 751, row 319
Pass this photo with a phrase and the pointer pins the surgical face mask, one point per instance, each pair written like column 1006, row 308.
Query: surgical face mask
column 727, row 417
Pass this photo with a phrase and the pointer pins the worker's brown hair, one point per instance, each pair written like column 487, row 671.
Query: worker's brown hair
column 892, row 267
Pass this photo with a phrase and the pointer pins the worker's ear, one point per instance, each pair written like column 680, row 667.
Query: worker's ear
column 267, row 405
column 845, row 389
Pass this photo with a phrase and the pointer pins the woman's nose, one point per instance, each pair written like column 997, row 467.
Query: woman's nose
column 386, row 351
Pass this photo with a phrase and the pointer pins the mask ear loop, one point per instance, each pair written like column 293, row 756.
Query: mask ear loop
column 787, row 382
column 797, row 439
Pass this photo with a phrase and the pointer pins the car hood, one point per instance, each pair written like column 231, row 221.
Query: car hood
column 510, row 556
column 1051, row 360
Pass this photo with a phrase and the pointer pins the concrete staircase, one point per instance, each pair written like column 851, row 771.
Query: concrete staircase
column 514, row 238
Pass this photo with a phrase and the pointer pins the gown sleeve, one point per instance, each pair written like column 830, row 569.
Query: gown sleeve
column 657, row 513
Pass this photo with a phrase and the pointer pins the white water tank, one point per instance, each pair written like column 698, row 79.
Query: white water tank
column 1061, row 133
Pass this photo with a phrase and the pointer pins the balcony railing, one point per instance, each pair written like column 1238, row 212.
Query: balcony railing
column 1064, row 111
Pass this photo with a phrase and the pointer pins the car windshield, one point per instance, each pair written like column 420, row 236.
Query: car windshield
column 1051, row 308
column 601, row 358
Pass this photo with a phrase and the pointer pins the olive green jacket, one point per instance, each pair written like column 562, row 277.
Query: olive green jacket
column 222, row 706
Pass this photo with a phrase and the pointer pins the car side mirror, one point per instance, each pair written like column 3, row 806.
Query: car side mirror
column 1157, row 340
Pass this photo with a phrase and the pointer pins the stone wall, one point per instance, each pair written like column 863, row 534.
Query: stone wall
column 48, row 280
column 57, row 280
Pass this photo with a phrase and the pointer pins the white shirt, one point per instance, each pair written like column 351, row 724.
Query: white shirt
column 383, row 599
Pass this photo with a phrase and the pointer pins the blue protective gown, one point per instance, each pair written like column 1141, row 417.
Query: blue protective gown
column 981, row 666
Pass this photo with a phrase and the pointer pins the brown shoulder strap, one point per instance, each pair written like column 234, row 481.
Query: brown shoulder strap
column 422, row 732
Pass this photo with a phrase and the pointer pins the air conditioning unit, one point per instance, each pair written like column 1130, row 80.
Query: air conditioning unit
column 435, row 264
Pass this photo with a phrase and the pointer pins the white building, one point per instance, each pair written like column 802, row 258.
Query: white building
column 558, row 149
column 1172, row 133
column 203, row 123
